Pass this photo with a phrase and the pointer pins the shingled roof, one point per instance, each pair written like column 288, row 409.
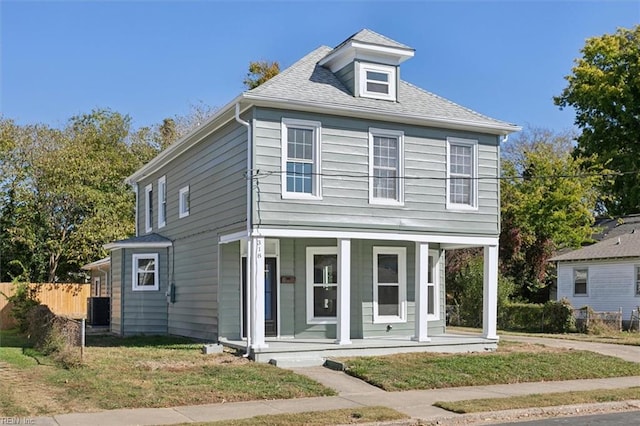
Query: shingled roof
column 307, row 82
column 367, row 36
column 623, row 246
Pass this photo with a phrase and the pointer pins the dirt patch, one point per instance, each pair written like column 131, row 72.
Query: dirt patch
column 518, row 347
column 205, row 360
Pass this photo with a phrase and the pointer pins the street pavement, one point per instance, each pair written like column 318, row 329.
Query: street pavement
column 354, row 393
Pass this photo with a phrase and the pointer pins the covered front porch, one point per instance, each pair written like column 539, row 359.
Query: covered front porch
column 308, row 352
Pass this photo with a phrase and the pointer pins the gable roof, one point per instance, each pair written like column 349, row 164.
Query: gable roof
column 623, row 246
column 308, row 86
column 613, row 227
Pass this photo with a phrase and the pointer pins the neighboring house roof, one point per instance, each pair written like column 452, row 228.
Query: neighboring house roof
column 97, row 264
column 622, row 246
column 142, row 241
column 613, row 227
column 308, row 86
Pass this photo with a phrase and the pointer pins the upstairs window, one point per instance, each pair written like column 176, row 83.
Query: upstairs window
column 148, row 208
column 386, row 167
column 377, row 81
column 300, row 159
column 162, row 202
column 145, row 272
column 462, row 184
column 183, row 201
column 580, row 281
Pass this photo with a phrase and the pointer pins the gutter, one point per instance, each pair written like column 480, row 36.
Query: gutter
column 249, row 242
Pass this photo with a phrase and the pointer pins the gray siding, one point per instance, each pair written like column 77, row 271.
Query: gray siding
column 116, row 291
column 346, row 77
column 144, row 312
column 345, row 203
column 230, row 295
column 287, row 301
column 214, row 169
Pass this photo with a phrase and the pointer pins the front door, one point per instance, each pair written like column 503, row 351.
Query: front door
column 270, row 297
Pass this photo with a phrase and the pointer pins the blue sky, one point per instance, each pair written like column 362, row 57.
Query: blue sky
column 153, row 59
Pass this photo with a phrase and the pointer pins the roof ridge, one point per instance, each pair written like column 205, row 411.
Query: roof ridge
column 390, row 40
column 453, row 103
column 282, row 74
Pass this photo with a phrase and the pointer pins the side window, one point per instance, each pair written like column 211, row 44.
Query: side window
column 145, row 272
column 638, row 282
column 389, row 284
column 322, row 285
column 162, row 202
column 386, row 164
column 301, row 159
column 580, row 281
column 148, row 208
column 462, row 174
column 184, row 202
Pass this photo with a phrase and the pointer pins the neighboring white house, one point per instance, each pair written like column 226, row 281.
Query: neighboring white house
column 604, row 276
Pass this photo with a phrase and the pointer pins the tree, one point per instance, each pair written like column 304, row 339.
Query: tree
column 259, row 72
column 547, row 204
column 604, row 90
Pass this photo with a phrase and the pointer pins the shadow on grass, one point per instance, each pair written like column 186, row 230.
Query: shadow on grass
column 161, row 342
column 13, row 339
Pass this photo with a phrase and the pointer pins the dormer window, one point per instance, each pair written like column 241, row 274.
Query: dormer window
column 377, row 81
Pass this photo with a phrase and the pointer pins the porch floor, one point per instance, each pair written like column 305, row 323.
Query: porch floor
column 302, row 352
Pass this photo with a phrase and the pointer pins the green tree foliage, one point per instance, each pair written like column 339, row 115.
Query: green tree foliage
column 604, row 90
column 259, row 72
column 547, row 203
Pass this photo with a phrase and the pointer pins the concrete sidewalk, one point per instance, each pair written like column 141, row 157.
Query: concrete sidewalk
column 354, row 393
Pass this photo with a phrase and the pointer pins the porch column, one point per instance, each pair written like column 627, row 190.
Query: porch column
column 343, row 326
column 256, row 257
column 421, row 303
column 490, row 293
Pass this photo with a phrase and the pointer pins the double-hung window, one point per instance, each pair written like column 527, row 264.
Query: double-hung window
column 145, row 272
column 301, row 159
column 389, row 284
column 386, row 164
column 162, row 201
column 322, row 285
column 580, row 281
column 148, row 208
column 377, row 81
column 183, row 202
column 462, row 173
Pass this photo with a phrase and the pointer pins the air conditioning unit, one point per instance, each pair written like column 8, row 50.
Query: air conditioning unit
column 98, row 310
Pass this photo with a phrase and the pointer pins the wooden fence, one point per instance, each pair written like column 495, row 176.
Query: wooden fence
column 63, row 299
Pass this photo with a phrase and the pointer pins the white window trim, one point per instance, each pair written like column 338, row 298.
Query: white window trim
column 436, row 284
column 402, row 285
column 316, row 191
column 573, row 282
column 363, row 67
column 400, row 175
column 148, row 219
column 182, row 208
column 162, row 199
column 474, row 177
column 134, row 269
column 311, row 251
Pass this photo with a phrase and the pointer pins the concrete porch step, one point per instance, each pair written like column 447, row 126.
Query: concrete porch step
column 296, row 362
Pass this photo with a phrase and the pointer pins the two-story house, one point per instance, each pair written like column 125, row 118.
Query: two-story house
column 315, row 208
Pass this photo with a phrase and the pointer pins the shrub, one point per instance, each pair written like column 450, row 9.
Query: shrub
column 22, row 300
column 551, row 317
column 558, row 316
column 54, row 335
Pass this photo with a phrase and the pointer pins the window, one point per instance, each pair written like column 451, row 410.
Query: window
column 145, row 272
column 389, row 284
column 462, row 190
column 322, row 285
column 184, row 202
column 638, row 281
column 433, row 279
column 377, row 81
column 162, row 202
column 301, row 159
column 148, row 198
column 96, row 286
column 580, row 280
column 386, row 164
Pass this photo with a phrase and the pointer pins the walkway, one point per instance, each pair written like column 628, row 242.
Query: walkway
column 354, row 393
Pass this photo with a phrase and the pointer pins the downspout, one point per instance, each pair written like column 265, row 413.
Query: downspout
column 249, row 245
column 135, row 190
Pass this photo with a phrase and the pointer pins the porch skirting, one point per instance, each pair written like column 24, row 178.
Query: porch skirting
column 293, row 351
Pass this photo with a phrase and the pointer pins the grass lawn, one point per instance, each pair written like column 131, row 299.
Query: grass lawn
column 538, row 400
column 319, row 418
column 511, row 363
column 137, row 372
